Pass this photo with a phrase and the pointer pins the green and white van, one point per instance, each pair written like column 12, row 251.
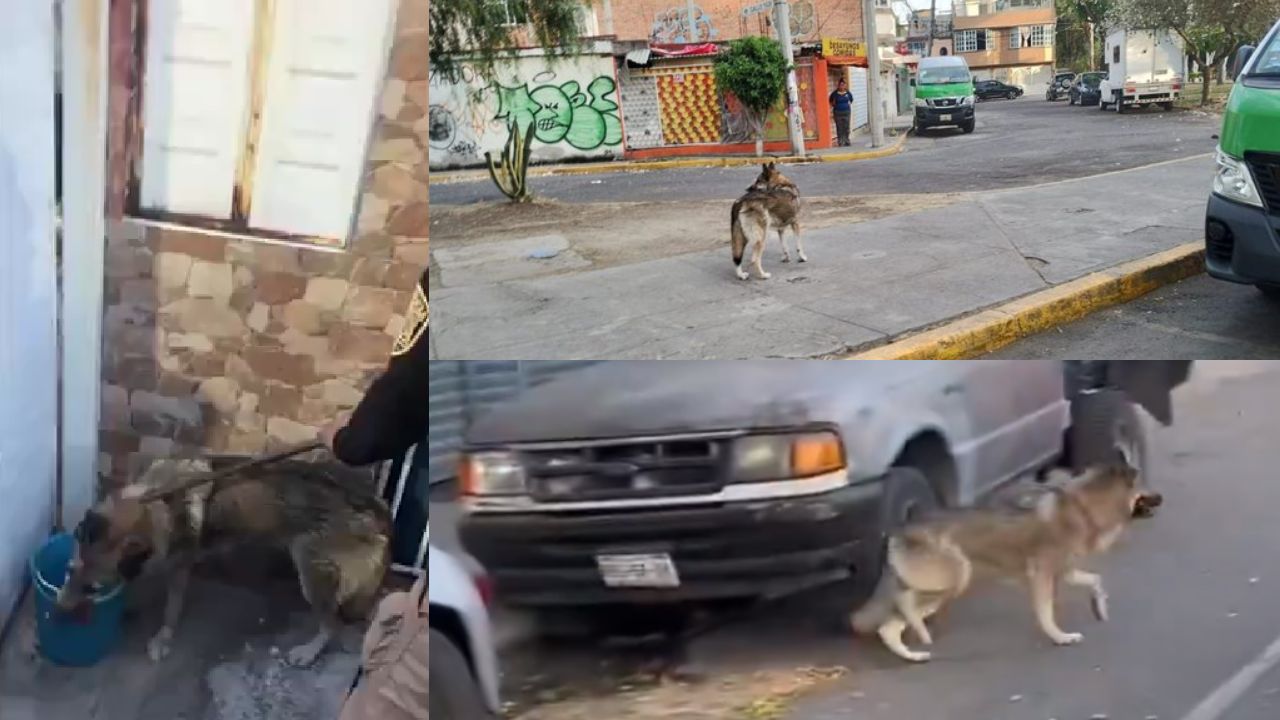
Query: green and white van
column 1242, row 223
column 944, row 93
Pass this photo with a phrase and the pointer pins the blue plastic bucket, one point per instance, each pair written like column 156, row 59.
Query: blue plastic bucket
column 79, row 639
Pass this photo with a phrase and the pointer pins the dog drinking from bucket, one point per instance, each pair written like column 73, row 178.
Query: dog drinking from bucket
column 336, row 532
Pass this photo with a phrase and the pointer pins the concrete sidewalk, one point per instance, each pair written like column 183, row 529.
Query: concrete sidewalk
column 865, row 284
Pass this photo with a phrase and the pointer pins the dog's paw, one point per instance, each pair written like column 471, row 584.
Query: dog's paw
column 1100, row 610
column 1068, row 639
column 742, row 275
column 303, row 656
column 803, row 257
column 159, row 646
column 918, row 657
column 765, row 275
column 786, row 258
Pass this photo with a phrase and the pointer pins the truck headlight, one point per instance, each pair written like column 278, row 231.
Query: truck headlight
column 491, row 473
column 967, row 100
column 758, row 458
column 920, row 102
column 1233, row 181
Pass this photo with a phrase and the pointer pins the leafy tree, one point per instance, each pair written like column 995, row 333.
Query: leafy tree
column 1092, row 16
column 479, row 34
column 1211, row 30
column 754, row 70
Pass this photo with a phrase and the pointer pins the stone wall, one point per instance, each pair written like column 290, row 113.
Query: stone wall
column 236, row 345
column 667, row 21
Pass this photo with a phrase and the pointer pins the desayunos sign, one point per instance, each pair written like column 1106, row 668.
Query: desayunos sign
column 836, row 47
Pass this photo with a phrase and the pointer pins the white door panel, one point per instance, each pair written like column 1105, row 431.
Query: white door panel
column 326, row 65
column 194, row 104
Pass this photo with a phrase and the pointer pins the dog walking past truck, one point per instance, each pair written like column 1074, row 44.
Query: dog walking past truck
column 1144, row 67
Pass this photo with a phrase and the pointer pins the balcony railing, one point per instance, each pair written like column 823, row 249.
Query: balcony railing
column 974, row 8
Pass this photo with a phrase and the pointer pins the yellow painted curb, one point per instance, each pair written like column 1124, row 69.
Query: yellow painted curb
column 992, row 329
column 647, row 165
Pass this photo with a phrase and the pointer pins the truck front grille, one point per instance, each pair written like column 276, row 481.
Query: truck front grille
column 1266, row 173
column 653, row 468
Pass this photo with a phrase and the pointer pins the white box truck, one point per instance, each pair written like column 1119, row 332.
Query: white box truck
column 1144, row 67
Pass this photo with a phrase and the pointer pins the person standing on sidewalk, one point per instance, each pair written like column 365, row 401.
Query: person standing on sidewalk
column 842, row 108
column 391, row 418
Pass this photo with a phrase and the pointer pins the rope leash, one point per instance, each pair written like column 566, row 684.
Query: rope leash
column 179, row 486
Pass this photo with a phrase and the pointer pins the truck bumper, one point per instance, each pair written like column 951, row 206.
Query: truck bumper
column 733, row 550
column 1242, row 243
column 934, row 117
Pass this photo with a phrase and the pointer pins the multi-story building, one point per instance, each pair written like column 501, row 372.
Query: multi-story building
column 1007, row 40
column 918, row 28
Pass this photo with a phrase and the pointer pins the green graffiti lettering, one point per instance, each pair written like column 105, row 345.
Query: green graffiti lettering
column 564, row 113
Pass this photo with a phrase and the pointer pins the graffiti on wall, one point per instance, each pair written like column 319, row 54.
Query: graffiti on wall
column 563, row 113
column 571, row 104
column 804, row 19
column 672, row 25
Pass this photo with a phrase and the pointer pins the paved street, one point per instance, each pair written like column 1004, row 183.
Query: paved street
column 1192, row 600
column 1017, row 142
column 1196, row 318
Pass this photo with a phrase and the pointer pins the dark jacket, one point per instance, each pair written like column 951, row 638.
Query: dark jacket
column 392, row 417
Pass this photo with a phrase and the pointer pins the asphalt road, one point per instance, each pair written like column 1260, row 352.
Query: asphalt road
column 1192, row 599
column 1198, row 318
column 1018, row 142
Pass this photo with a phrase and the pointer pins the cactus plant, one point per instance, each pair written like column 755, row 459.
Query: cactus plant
column 511, row 174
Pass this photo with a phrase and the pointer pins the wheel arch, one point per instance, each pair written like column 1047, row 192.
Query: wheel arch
column 929, row 452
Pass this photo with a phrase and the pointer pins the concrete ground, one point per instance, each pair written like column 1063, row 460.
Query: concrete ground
column 1017, row 142
column 865, row 283
column 1194, row 622
column 226, row 663
column 1196, row 318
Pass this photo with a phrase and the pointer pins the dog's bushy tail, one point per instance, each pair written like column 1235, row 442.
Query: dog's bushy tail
column 739, row 238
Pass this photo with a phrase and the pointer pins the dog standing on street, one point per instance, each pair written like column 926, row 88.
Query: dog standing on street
column 336, row 532
column 773, row 200
column 934, row 561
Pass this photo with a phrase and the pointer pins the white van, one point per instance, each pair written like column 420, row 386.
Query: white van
column 1145, row 67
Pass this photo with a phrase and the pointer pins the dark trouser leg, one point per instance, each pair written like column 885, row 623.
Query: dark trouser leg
column 842, row 128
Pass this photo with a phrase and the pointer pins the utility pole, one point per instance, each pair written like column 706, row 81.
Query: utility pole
column 693, row 27
column 933, row 11
column 875, row 113
column 795, row 124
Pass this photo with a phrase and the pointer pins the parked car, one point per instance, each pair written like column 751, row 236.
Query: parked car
column 1084, row 90
column 987, row 89
column 1059, row 86
column 1242, row 237
column 464, row 666
column 667, row 482
column 943, row 93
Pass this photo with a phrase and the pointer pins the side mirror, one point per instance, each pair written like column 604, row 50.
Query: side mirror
column 1242, row 57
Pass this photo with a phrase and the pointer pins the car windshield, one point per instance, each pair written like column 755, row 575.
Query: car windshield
column 1092, row 80
column 1268, row 62
column 941, row 75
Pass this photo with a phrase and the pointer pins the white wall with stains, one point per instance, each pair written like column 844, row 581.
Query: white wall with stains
column 572, row 103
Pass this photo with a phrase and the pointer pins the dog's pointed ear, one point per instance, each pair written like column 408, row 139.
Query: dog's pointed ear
column 133, row 557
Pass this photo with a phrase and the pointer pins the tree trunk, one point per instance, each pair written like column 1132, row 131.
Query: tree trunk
column 1205, row 77
column 1093, row 55
column 1222, row 69
column 759, row 144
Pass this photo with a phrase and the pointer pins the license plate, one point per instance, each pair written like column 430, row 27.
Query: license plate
column 944, row 118
column 651, row 570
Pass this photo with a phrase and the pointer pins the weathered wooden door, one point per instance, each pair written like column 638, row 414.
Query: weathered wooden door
column 28, row 290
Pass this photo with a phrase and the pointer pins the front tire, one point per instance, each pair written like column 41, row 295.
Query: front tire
column 454, row 692
column 1270, row 292
column 967, row 127
column 1119, row 102
column 1168, row 106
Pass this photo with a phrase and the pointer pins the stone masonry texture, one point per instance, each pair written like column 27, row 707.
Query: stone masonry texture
column 216, row 344
column 666, row 20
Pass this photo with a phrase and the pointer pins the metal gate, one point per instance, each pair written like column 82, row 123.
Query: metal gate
column 28, row 290
column 858, row 86
column 462, row 388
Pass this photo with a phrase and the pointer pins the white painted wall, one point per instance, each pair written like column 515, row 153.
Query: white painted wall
column 572, row 100
column 28, row 350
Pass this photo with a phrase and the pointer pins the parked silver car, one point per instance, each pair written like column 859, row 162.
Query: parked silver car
column 677, row 481
column 464, row 666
